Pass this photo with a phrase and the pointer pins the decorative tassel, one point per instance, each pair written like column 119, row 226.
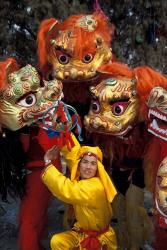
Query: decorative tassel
column 76, row 118
column 65, row 122
column 96, row 6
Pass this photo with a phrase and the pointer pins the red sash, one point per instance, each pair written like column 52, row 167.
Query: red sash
column 91, row 242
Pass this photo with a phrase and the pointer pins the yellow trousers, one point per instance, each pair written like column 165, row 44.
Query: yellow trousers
column 69, row 240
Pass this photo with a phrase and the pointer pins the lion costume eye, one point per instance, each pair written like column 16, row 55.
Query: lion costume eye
column 88, row 58
column 95, row 106
column 119, row 108
column 63, row 59
column 28, row 100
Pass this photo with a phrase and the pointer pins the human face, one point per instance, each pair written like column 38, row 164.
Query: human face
column 88, row 167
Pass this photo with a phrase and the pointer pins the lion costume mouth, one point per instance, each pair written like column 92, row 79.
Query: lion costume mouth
column 157, row 113
column 158, row 123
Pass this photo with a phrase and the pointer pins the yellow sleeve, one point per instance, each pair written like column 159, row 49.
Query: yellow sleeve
column 71, row 156
column 72, row 192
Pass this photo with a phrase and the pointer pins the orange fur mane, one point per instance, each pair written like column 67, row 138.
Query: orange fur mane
column 6, row 67
column 117, row 69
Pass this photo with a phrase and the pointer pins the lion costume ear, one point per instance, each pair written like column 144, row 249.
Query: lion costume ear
column 45, row 29
column 6, row 67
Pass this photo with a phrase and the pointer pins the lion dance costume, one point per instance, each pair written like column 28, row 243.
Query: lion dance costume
column 116, row 114
column 154, row 107
column 23, row 101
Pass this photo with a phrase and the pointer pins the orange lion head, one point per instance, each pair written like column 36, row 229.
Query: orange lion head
column 74, row 49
